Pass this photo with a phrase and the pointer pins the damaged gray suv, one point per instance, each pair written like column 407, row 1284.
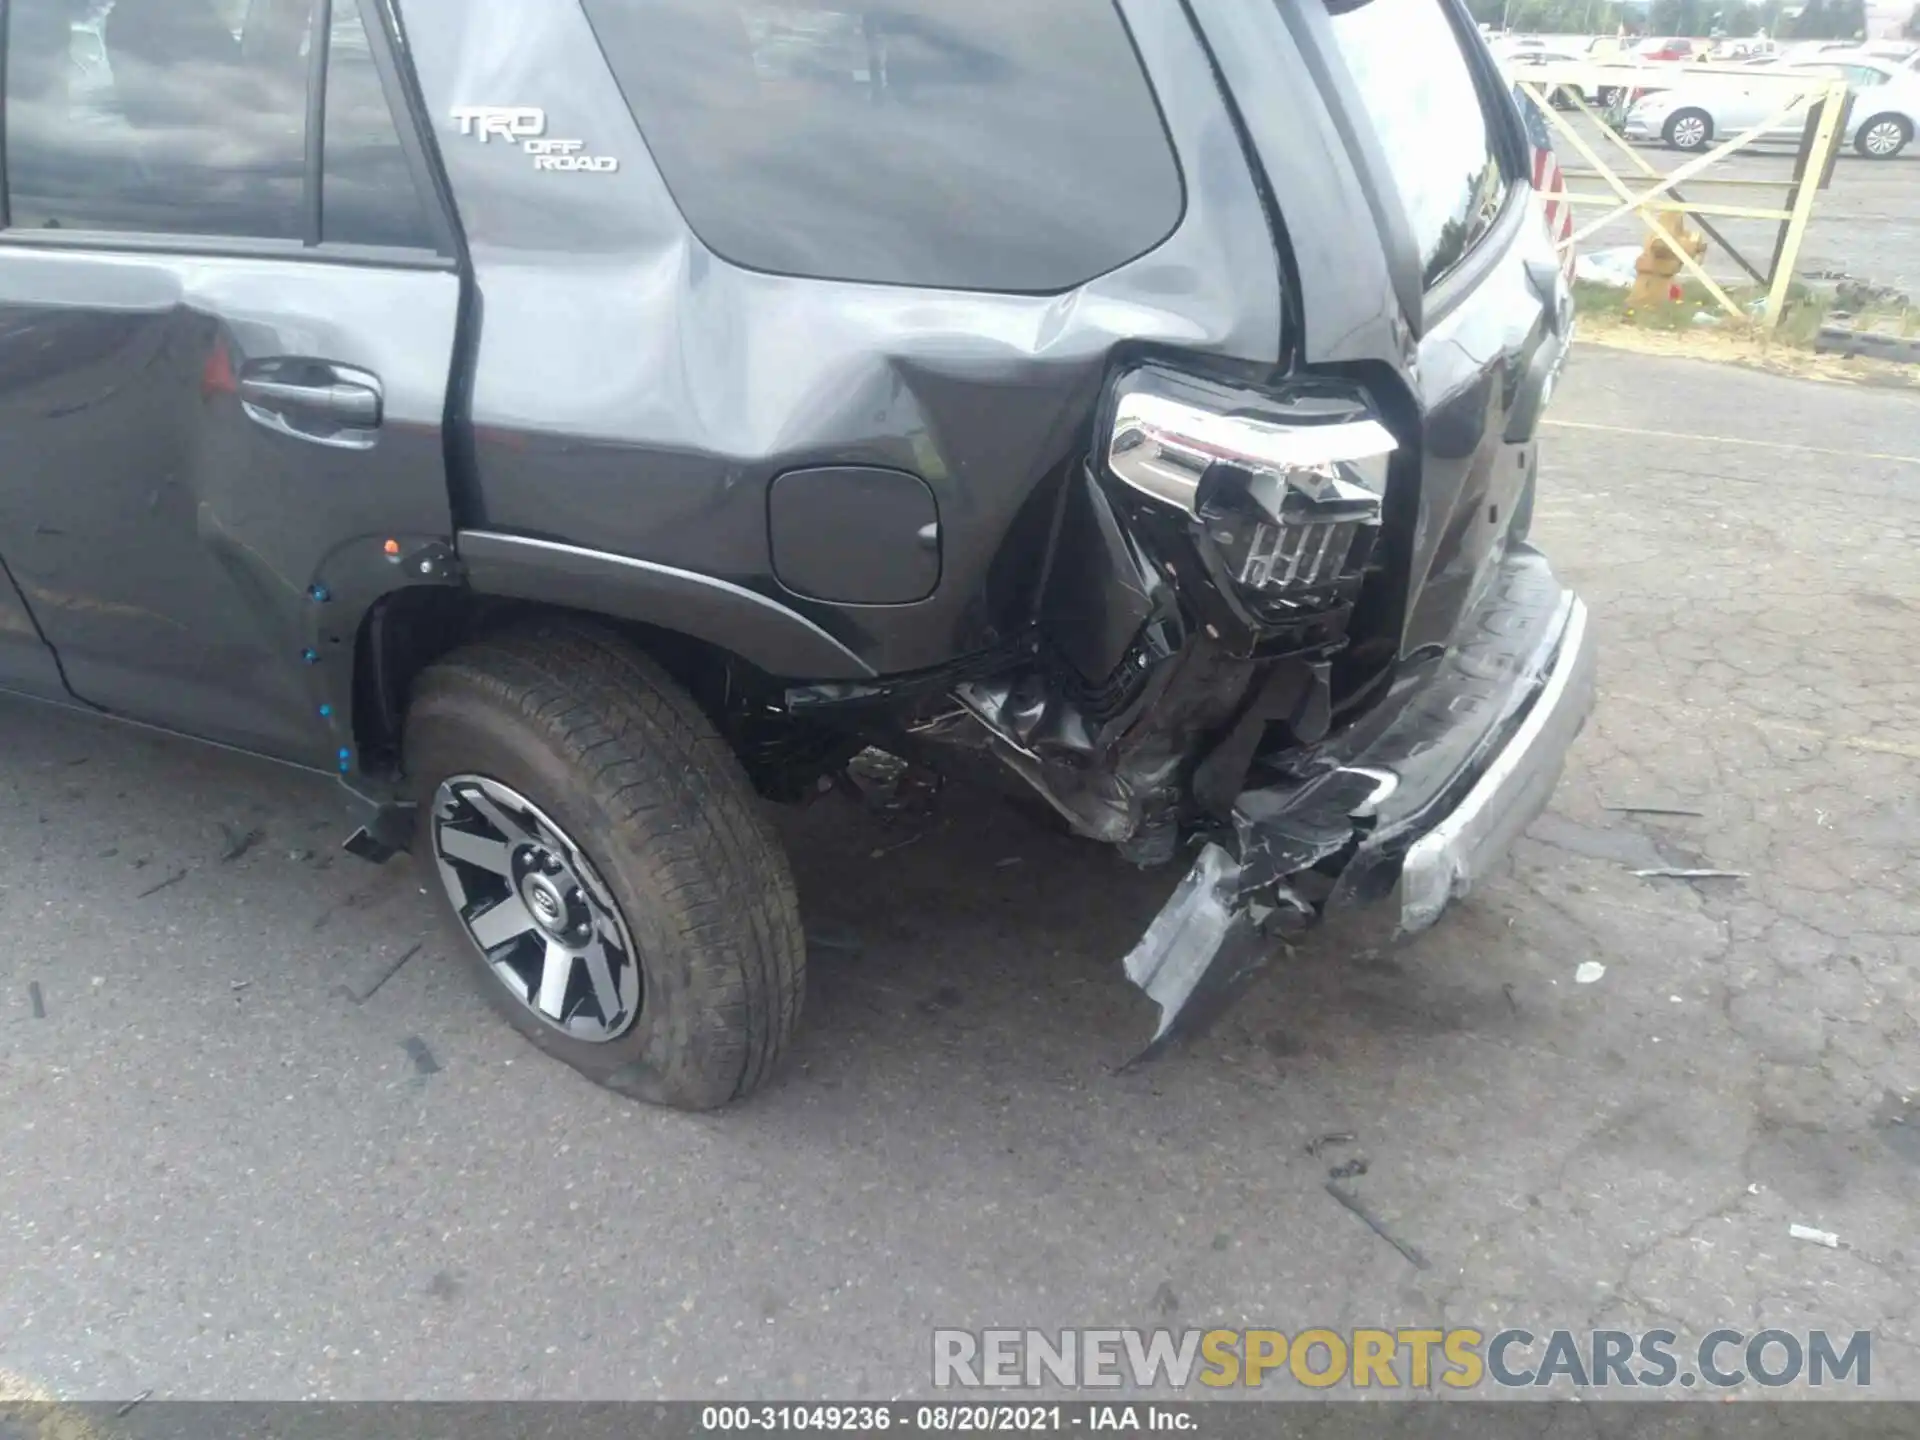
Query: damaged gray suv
column 572, row 421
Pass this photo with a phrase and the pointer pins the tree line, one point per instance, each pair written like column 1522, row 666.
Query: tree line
column 1811, row 20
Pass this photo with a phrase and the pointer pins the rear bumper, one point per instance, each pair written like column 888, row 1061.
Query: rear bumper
column 1398, row 816
column 1446, row 861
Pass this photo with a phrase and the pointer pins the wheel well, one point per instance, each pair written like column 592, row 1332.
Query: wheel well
column 408, row 630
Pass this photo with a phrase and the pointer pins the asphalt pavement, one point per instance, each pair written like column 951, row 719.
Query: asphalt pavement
column 258, row 1139
column 1866, row 224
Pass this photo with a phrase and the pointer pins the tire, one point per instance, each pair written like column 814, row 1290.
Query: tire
column 1883, row 137
column 1690, row 129
column 690, row 891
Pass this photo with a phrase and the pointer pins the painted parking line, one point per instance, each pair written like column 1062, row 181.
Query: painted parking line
column 1730, row 440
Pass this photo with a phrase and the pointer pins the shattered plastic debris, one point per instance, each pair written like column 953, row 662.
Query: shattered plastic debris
column 1818, row 1237
column 1667, row 872
column 1174, row 960
column 1589, row 972
column 1612, row 266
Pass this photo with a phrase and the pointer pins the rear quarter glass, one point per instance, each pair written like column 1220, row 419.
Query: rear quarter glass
column 999, row 145
column 1418, row 91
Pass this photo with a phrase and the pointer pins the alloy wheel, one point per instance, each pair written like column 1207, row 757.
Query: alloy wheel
column 1689, row 132
column 539, row 912
column 1884, row 137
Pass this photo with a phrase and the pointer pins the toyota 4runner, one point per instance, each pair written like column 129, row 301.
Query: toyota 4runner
column 564, row 419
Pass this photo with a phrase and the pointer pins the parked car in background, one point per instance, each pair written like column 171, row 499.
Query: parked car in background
column 1519, row 63
column 1644, row 52
column 1670, row 48
column 1694, row 114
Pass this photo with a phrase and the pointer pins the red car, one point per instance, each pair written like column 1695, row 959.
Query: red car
column 1668, row 49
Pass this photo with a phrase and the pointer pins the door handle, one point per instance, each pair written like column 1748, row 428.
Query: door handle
column 343, row 400
column 313, row 400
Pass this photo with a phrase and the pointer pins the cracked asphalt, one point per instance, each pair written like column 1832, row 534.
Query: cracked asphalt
column 254, row 1144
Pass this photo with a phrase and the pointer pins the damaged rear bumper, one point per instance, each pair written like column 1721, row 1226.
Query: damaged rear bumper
column 1403, row 814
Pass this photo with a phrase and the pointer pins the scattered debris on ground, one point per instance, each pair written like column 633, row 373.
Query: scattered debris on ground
column 885, row 850
column 173, row 879
column 1818, row 1237
column 370, row 983
column 1674, row 872
column 239, row 842
column 827, row 940
column 1338, row 1137
column 1376, row 1224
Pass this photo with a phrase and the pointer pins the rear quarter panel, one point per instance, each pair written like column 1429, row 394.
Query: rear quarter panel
column 635, row 393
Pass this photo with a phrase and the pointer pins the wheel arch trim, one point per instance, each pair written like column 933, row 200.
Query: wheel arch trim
column 759, row 630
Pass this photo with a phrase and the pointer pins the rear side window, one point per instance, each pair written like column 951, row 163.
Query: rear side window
column 971, row 144
column 1415, row 84
column 189, row 118
column 159, row 115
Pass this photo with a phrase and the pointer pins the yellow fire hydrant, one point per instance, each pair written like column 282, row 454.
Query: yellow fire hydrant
column 1659, row 262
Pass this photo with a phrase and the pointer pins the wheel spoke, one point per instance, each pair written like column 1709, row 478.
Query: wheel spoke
column 555, row 971
column 539, row 918
column 491, row 812
column 505, row 921
column 488, row 854
column 600, row 973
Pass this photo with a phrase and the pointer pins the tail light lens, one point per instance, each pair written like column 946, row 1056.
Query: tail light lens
column 1287, row 490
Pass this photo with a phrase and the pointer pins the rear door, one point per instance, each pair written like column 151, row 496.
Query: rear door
column 227, row 311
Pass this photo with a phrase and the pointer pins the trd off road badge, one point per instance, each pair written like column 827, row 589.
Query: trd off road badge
column 526, row 127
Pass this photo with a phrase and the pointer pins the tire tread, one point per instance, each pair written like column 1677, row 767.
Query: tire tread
column 653, row 760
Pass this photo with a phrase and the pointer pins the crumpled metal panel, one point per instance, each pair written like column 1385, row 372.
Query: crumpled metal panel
column 636, row 394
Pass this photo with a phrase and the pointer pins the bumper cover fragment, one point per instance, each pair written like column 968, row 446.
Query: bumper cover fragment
column 1407, row 813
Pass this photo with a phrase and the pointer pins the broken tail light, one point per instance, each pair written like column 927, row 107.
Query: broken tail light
column 1286, row 490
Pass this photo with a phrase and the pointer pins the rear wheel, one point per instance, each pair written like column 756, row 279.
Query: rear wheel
column 602, row 861
column 1688, row 130
column 1883, row 137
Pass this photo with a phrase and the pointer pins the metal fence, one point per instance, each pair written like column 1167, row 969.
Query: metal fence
column 1635, row 185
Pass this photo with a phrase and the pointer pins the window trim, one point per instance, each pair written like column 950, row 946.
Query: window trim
column 238, row 247
column 6, row 190
column 443, row 255
column 319, row 56
column 407, row 120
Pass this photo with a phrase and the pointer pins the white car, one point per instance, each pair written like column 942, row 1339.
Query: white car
column 1519, row 62
column 1706, row 108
